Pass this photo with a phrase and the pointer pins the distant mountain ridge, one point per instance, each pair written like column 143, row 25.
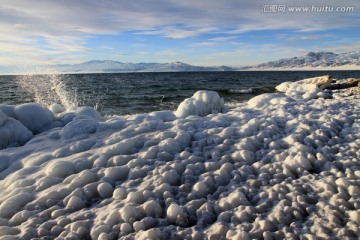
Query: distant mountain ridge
column 95, row 66
column 313, row 60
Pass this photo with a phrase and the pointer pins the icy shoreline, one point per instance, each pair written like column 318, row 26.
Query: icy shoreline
column 283, row 166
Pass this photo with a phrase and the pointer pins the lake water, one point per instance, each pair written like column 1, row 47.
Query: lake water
column 128, row 93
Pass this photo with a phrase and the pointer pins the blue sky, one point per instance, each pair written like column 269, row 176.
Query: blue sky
column 199, row 32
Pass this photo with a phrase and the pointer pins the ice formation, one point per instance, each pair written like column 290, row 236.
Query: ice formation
column 201, row 104
column 279, row 167
column 321, row 82
column 19, row 123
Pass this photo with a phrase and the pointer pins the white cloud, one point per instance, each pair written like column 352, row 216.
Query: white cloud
column 349, row 47
column 309, row 37
column 223, row 39
column 104, row 46
column 204, row 44
column 176, row 32
column 51, row 28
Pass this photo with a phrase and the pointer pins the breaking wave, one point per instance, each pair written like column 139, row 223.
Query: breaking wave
column 48, row 89
column 254, row 90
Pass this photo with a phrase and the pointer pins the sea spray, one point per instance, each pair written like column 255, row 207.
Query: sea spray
column 49, row 89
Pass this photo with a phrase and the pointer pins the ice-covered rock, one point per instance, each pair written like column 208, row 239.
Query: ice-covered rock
column 19, row 123
column 266, row 98
column 201, row 104
column 321, row 82
column 79, row 126
column 305, row 85
column 33, row 116
column 60, row 169
column 14, row 203
column 56, row 108
column 176, row 215
column 12, row 132
column 8, row 110
column 89, row 112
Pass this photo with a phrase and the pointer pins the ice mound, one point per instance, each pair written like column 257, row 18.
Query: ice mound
column 305, row 85
column 306, row 89
column 201, row 104
column 19, row 123
column 276, row 168
column 12, row 132
column 266, row 98
column 33, row 116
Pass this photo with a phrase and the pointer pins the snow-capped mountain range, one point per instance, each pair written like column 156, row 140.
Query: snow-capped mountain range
column 312, row 60
column 114, row 66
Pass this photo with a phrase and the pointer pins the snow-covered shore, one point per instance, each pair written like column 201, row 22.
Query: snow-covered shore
column 282, row 166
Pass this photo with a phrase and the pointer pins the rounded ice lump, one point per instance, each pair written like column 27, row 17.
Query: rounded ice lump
column 12, row 132
column 33, row 116
column 201, row 104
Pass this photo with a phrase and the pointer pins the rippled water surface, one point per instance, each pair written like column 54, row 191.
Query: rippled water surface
column 127, row 93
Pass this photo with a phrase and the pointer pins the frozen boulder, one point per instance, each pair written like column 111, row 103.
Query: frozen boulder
column 89, row 112
column 176, row 215
column 3, row 118
column 14, row 203
column 201, row 104
column 79, row 126
column 321, row 82
column 267, row 99
column 60, row 169
column 33, row 116
column 56, row 108
column 306, row 84
column 12, row 132
column 7, row 110
column 166, row 116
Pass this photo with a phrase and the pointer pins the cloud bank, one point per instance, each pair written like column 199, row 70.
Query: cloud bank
column 45, row 30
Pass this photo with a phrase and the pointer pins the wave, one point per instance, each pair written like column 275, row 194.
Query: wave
column 254, row 90
column 155, row 97
column 48, row 89
column 245, row 91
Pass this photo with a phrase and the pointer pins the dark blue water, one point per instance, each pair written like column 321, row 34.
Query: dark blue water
column 127, row 93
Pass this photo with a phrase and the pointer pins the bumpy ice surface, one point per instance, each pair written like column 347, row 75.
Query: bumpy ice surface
column 282, row 166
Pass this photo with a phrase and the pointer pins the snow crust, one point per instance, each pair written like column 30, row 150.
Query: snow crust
column 282, row 166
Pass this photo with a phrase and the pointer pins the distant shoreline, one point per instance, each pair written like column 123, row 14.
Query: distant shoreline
column 239, row 70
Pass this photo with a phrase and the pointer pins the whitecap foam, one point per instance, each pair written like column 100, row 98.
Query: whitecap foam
column 242, row 91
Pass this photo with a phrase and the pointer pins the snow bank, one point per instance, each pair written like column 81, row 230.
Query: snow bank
column 201, row 104
column 276, row 168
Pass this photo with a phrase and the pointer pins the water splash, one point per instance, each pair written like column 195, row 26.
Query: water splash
column 49, row 89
